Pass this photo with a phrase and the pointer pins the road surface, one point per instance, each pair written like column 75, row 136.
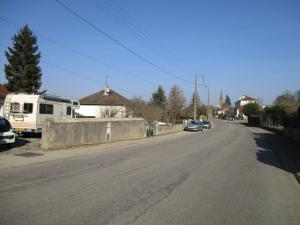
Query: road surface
column 226, row 175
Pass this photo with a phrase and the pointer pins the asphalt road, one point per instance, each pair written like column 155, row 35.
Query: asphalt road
column 226, row 175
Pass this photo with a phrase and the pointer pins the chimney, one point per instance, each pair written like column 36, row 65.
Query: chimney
column 106, row 90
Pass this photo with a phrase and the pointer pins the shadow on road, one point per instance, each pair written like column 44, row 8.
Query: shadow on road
column 28, row 141
column 19, row 143
column 287, row 152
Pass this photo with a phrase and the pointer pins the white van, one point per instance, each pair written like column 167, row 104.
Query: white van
column 27, row 112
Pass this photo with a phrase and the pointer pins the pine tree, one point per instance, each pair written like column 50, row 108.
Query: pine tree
column 159, row 97
column 22, row 71
column 227, row 101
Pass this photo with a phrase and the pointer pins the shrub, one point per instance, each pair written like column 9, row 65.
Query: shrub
column 251, row 109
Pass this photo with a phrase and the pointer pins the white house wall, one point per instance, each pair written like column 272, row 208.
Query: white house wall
column 99, row 111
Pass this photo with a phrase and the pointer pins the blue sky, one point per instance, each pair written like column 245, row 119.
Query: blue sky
column 241, row 47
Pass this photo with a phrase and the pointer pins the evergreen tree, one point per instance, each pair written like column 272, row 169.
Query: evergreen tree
column 159, row 97
column 227, row 101
column 22, row 71
column 197, row 99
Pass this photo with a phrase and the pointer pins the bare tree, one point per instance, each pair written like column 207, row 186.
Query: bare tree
column 140, row 108
column 297, row 96
column 286, row 98
column 289, row 100
column 137, row 107
column 110, row 112
column 176, row 102
column 153, row 112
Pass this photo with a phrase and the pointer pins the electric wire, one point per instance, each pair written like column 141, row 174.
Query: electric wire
column 130, row 22
column 120, row 44
column 77, row 52
column 78, row 74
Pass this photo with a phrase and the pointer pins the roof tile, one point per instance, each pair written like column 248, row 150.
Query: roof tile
column 112, row 99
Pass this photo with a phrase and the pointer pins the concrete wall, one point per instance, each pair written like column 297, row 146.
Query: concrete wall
column 169, row 129
column 292, row 133
column 76, row 132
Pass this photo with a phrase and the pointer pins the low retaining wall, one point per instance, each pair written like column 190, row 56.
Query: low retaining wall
column 166, row 129
column 292, row 133
column 90, row 131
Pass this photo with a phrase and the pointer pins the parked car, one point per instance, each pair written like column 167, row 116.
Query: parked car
column 206, row 124
column 7, row 136
column 194, row 125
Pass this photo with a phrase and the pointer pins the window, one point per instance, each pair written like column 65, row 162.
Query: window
column 75, row 103
column 15, row 107
column 28, row 108
column 69, row 110
column 4, row 125
column 46, row 109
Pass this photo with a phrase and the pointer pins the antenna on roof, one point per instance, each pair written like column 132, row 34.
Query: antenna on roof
column 106, row 89
column 106, row 80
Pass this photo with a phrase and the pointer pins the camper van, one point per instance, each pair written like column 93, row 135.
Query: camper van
column 27, row 112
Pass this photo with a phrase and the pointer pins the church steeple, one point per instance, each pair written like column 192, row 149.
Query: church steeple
column 221, row 100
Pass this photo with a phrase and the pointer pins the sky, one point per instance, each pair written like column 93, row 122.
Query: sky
column 238, row 47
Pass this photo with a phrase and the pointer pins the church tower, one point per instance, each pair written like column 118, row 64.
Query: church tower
column 221, row 101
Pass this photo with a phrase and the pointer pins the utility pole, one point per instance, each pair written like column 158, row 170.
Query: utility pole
column 208, row 96
column 207, row 101
column 195, row 99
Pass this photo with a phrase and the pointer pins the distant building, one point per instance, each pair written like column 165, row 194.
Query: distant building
column 221, row 101
column 103, row 104
column 3, row 93
column 220, row 106
column 244, row 100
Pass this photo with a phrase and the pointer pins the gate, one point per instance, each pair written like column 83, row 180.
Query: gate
column 151, row 129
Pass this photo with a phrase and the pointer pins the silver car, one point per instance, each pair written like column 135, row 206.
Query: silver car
column 194, row 125
column 7, row 136
column 206, row 124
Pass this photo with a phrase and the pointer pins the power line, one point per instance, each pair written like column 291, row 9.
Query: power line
column 129, row 24
column 132, row 23
column 71, row 72
column 79, row 75
column 76, row 74
column 120, row 44
column 82, row 54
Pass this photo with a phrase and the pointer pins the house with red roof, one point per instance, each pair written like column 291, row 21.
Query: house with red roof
column 244, row 100
column 3, row 93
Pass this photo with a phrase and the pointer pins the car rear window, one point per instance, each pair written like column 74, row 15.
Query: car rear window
column 4, row 125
